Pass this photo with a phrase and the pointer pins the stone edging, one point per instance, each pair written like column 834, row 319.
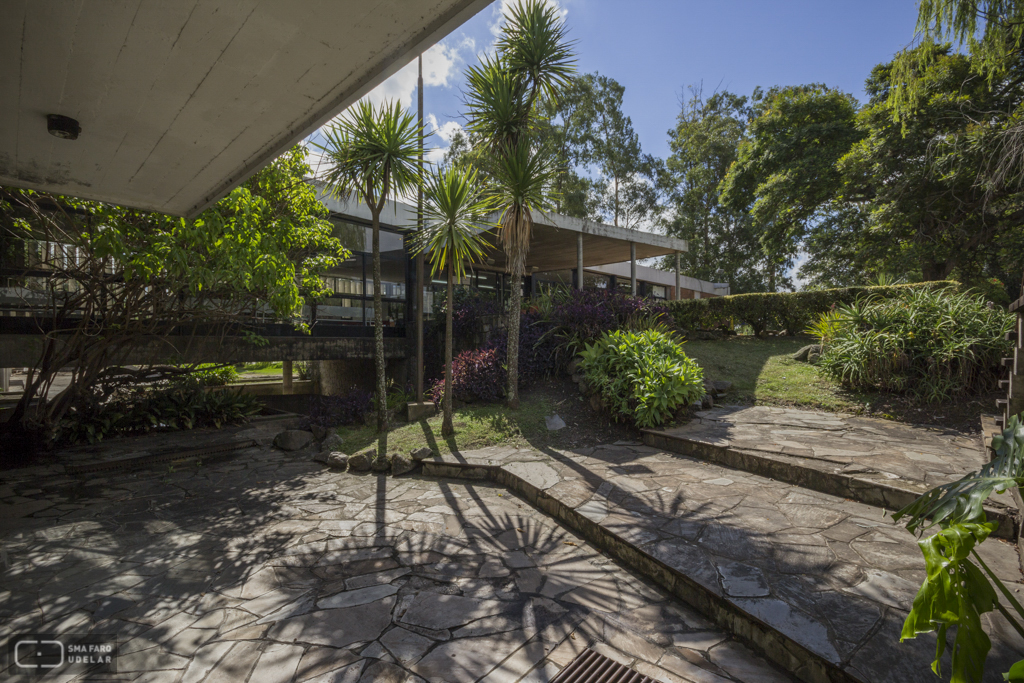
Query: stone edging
column 763, row 639
column 792, row 471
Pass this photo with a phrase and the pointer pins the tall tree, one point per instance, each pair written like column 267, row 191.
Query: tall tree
column 374, row 153
column 785, row 169
column 533, row 59
column 724, row 244
column 453, row 235
column 603, row 173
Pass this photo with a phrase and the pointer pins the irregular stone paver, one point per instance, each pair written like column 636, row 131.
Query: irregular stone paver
column 268, row 567
column 834, row 576
column 871, row 460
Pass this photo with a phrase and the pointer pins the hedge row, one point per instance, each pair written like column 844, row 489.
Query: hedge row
column 790, row 311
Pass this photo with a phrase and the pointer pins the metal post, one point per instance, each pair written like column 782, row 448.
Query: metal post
column 579, row 261
column 632, row 268
column 678, row 279
column 286, row 377
column 419, row 258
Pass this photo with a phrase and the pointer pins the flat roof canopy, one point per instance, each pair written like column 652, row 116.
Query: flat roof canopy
column 180, row 101
column 553, row 242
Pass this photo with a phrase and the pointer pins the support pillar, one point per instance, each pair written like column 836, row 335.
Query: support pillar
column 5, row 379
column 632, row 268
column 579, row 261
column 286, row 377
column 419, row 258
column 678, row 278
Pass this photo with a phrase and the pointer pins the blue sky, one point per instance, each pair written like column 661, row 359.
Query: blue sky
column 657, row 48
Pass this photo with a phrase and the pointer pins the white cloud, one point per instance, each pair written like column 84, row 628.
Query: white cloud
column 504, row 8
column 443, row 132
column 440, row 65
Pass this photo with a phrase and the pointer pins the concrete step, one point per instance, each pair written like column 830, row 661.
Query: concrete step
column 877, row 462
column 819, row 584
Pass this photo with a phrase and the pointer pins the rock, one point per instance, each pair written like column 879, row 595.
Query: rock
column 293, row 439
column 401, row 464
column 577, row 378
column 319, row 433
column 584, row 387
column 596, row 403
column 720, row 386
column 805, row 351
column 707, row 402
column 332, row 443
column 421, row 454
column 335, row 459
column 380, row 463
column 574, row 364
column 813, row 358
column 360, row 462
column 554, row 423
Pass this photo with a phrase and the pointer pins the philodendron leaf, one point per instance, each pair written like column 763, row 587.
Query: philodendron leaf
column 963, row 500
column 1016, row 672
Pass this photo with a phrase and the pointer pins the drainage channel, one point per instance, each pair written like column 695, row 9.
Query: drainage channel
column 174, row 457
column 593, row 667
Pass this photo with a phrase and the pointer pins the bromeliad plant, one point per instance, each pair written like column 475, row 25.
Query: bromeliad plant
column 960, row 587
column 643, row 377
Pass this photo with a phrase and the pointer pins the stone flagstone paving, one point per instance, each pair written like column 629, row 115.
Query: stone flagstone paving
column 270, row 568
column 834, row 576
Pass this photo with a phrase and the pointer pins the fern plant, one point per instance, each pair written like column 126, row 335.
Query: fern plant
column 960, row 587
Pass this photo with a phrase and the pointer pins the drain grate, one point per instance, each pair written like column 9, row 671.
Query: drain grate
column 167, row 458
column 591, row 667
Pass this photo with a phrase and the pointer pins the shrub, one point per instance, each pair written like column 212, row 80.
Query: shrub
column 143, row 410
column 643, row 376
column 578, row 317
column 345, row 409
column 791, row 311
column 476, row 376
column 934, row 344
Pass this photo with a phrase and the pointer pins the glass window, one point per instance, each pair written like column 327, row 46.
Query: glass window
column 623, row 285
column 658, row 291
column 348, row 277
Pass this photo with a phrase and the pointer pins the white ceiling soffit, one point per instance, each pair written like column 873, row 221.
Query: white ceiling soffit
column 178, row 101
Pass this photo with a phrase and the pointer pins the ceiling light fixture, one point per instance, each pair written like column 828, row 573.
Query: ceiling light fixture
column 63, row 127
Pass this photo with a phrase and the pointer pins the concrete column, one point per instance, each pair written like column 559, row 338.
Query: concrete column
column 579, row 261
column 419, row 259
column 632, row 268
column 286, row 377
column 678, row 278
column 5, row 379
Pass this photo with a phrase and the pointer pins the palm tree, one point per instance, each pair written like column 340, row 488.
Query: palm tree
column 373, row 152
column 453, row 234
column 533, row 58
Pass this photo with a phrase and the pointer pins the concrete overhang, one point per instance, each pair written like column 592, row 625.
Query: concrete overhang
column 553, row 246
column 179, row 102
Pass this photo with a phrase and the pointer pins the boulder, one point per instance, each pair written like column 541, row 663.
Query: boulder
column 554, row 422
column 720, row 386
column 319, row 433
column 293, row 439
column 707, row 402
column 401, row 464
column 577, row 378
column 584, row 387
column 421, row 454
column 805, row 351
column 360, row 462
column 332, row 443
column 572, row 367
column 596, row 403
column 813, row 358
column 380, row 463
column 335, row 459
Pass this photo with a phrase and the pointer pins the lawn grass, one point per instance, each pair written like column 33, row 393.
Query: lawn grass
column 762, row 372
column 476, row 426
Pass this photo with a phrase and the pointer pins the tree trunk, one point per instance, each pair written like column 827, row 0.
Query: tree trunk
column 515, row 303
column 447, row 427
column 378, row 332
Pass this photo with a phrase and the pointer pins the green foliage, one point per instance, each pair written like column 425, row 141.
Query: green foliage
column 791, row 311
column 644, row 377
column 211, row 375
column 960, row 587
column 143, row 410
column 933, row 343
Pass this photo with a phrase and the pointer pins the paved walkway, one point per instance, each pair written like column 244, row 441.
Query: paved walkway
column 822, row 583
column 269, row 568
column 874, row 461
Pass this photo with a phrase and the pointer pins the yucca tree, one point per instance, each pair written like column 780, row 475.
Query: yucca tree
column 533, row 58
column 373, row 152
column 454, row 210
